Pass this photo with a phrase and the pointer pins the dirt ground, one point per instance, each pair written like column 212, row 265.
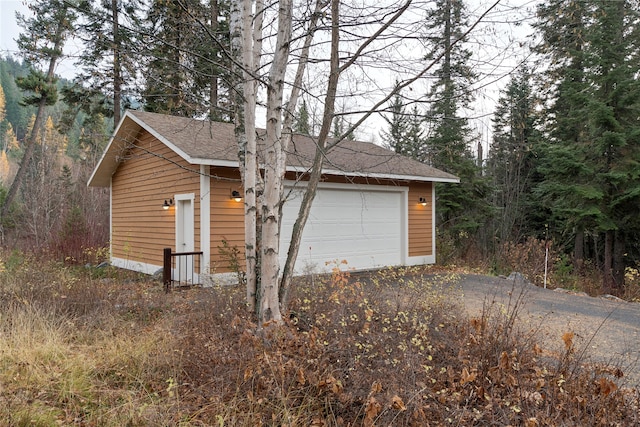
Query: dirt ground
column 606, row 329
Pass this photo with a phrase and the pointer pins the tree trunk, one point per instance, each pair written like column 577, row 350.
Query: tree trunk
column 117, row 67
column 288, row 268
column 213, row 89
column 274, row 170
column 607, row 270
column 578, row 251
column 619, row 246
column 321, row 143
column 37, row 124
column 316, row 170
column 244, row 120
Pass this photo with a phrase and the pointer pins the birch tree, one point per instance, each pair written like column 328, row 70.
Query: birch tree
column 348, row 35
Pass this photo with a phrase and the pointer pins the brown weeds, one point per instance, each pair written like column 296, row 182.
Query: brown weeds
column 390, row 348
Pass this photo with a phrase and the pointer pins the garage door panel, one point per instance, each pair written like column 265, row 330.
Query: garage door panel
column 363, row 228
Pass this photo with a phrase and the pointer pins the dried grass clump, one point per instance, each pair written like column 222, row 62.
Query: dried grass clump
column 70, row 356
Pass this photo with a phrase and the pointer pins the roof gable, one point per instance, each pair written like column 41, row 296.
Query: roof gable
column 213, row 143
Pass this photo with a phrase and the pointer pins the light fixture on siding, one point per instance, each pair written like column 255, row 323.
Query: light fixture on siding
column 235, row 195
column 423, row 201
column 167, row 204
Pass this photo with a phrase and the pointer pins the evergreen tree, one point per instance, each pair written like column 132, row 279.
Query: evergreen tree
column 3, row 106
column 614, row 117
column 406, row 130
column 415, row 140
column 17, row 115
column 186, row 67
column 591, row 161
column 394, row 137
column 3, row 123
column 340, row 126
column 42, row 42
column 109, row 62
column 511, row 161
column 302, row 125
column 565, row 189
column 211, row 62
column 460, row 208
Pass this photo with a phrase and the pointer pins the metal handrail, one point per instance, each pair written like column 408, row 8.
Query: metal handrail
column 167, row 269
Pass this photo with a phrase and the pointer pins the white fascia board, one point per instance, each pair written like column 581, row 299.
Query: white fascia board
column 348, row 186
column 213, row 162
column 234, row 164
column 106, row 150
column 376, row 175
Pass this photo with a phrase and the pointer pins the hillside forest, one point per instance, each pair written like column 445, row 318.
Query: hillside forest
column 560, row 177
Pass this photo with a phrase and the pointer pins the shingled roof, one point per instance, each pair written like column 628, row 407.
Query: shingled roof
column 203, row 142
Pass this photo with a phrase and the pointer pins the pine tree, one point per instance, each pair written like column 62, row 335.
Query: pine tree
column 302, row 125
column 394, row 137
column 511, row 161
column 3, row 123
column 109, row 63
column 415, row 140
column 406, row 130
column 460, row 208
column 16, row 114
column 615, row 129
column 186, row 67
column 42, row 42
column 340, row 126
column 591, row 161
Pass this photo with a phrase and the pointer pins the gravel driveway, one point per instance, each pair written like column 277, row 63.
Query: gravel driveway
column 607, row 328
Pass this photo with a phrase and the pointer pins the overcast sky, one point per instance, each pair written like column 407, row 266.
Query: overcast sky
column 9, row 29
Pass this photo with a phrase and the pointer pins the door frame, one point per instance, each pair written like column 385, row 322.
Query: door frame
column 185, row 230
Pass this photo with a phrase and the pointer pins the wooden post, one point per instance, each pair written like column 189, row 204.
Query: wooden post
column 166, row 269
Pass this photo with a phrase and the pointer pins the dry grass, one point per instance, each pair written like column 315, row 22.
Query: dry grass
column 93, row 348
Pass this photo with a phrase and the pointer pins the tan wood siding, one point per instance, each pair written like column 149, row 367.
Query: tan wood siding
column 227, row 217
column 150, row 174
column 420, row 220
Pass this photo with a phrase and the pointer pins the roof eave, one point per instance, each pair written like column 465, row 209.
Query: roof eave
column 301, row 169
column 452, row 179
column 100, row 177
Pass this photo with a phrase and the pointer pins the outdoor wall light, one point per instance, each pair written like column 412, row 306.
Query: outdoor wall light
column 167, row 204
column 423, row 201
column 235, row 195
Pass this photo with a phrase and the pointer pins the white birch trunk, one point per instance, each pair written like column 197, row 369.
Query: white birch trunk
column 274, row 169
column 250, row 159
column 246, row 53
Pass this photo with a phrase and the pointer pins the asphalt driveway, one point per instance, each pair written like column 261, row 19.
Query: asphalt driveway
column 607, row 329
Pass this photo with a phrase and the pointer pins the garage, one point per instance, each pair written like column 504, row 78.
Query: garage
column 347, row 222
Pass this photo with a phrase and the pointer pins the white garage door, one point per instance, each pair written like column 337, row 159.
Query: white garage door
column 362, row 227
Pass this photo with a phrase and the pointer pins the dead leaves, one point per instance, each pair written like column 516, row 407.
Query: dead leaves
column 466, row 377
column 371, row 411
column 397, row 403
column 605, row 386
column 567, row 337
column 331, row 384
